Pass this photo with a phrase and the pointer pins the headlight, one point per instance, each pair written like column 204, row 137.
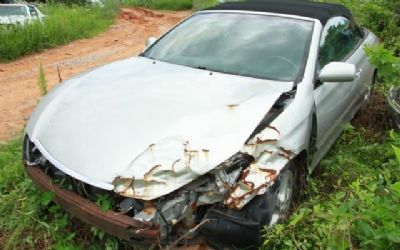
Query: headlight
column 31, row 154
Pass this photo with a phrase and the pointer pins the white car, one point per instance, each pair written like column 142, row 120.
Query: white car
column 12, row 14
column 213, row 128
column 98, row 3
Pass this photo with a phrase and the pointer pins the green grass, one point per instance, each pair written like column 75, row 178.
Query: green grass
column 160, row 4
column 171, row 4
column 201, row 4
column 63, row 24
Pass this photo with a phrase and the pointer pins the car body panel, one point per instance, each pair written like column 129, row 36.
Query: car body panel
column 337, row 103
column 13, row 20
column 149, row 116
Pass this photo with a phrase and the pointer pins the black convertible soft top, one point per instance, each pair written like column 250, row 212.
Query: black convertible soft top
column 320, row 11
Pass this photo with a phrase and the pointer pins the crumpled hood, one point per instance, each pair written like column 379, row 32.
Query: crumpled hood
column 13, row 19
column 152, row 125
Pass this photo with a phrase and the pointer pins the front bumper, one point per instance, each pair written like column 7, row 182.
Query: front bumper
column 119, row 225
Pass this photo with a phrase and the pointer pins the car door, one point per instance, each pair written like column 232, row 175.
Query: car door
column 334, row 102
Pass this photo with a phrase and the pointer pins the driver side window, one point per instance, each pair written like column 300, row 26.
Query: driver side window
column 339, row 38
column 32, row 11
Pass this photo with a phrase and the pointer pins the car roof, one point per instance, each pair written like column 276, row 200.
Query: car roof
column 321, row 11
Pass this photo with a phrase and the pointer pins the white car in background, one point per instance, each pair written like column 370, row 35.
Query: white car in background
column 94, row 3
column 11, row 14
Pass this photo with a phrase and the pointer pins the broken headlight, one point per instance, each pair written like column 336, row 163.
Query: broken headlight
column 31, row 154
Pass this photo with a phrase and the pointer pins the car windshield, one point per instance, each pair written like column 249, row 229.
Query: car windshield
column 13, row 11
column 260, row 46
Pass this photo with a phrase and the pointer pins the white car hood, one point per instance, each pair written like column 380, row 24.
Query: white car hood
column 13, row 19
column 154, row 124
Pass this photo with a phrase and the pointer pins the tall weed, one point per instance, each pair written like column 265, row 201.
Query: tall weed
column 42, row 82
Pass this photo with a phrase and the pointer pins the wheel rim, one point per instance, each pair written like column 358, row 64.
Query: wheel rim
column 283, row 198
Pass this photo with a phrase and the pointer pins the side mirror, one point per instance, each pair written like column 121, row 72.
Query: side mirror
column 338, row 72
column 150, row 41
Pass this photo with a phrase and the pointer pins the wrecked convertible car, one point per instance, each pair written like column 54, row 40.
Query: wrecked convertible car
column 211, row 131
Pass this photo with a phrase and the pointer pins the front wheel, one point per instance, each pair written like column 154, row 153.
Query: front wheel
column 243, row 228
column 285, row 192
column 283, row 197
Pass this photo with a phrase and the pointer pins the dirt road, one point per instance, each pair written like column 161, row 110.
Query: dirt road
column 19, row 91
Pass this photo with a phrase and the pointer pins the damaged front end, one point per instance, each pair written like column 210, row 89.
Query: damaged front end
column 228, row 205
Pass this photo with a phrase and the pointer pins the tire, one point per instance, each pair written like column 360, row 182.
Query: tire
column 244, row 228
column 286, row 192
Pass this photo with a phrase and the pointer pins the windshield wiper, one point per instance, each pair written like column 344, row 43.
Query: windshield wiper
column 145, row 56
column 203, row 68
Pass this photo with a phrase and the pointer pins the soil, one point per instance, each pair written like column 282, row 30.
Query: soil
column 19, row 91
column 373, row 117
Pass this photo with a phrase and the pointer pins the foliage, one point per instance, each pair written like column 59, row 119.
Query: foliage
column 104, row 202
column 352, row 202
column 388, row 65
column 63, row 24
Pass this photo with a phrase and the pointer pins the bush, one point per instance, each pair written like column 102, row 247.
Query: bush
column 388, row 65
column 62, row 25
